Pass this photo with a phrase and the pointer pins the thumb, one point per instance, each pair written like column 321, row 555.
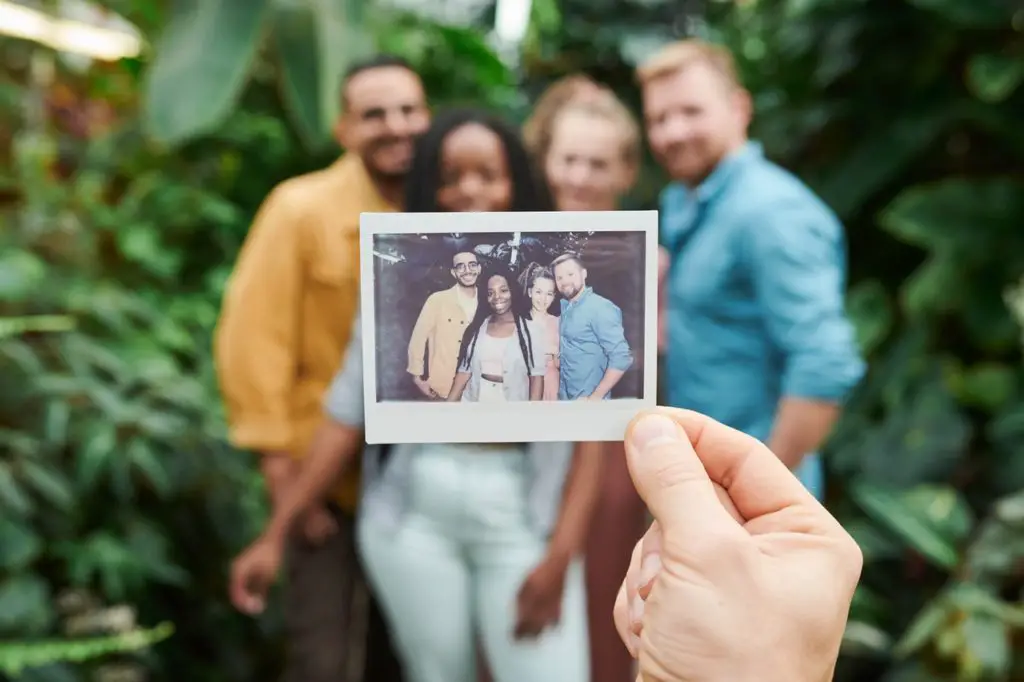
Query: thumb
column 670, row 477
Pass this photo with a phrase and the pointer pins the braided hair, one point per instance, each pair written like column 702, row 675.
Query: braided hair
column 483, row 311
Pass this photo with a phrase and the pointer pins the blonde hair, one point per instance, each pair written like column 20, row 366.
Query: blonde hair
column 537, row 128
column 684, row 53
column 606, row 107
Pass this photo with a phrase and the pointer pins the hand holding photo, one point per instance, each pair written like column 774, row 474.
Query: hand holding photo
column 508, row 327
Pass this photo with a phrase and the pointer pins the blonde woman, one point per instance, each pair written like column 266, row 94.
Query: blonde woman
column 589, row 148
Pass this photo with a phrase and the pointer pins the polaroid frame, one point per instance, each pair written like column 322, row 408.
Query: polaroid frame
column 512, row 422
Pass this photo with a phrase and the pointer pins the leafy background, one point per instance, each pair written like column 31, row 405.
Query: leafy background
column 125, row 191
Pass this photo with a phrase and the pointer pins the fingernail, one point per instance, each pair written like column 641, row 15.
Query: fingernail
column 649, row 568
column 654, row 429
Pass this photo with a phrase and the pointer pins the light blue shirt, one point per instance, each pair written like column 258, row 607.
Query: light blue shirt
column 591, row 341
column 755, row 297
column 515, row 375
column 385, row 488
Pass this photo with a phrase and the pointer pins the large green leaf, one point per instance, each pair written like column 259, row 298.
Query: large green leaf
column 880, row 159
column 930, row 519
column 986, row 654
column 201, row 65
column 994, row 77
column 342, row 37
column 295, row 37
column 960, row 214
column 24, row 604
column 20, row 545
column 316, row 41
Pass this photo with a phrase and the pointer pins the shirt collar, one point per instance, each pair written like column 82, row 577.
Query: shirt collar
column 583, row 296
column 351, row 170
column 713, row 185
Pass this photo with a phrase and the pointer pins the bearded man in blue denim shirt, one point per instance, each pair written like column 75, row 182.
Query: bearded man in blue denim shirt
column 756, row 334
column 593, row 352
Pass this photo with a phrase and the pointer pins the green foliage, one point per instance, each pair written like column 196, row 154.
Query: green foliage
column 18, row 657
column 115, row 477
column 204, row 60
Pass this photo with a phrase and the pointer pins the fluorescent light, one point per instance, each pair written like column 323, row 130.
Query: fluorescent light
column 65, row 35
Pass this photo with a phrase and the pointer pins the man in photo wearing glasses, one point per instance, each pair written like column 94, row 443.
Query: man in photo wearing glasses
column 437, row 336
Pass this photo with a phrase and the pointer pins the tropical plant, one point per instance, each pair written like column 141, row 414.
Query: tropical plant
column 203, row 61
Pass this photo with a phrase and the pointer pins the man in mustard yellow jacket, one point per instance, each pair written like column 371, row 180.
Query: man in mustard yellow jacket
column 285, row 323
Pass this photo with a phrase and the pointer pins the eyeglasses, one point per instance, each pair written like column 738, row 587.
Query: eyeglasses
column 462, row 267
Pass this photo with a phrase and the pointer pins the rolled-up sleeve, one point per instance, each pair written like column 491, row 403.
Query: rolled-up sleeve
column 611, row 336
column 255, row 343
column 798, row 262
column 343, row 402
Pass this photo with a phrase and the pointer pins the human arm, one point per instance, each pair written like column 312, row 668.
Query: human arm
column 335, row 445
column 607, row 326
column 540, row 597
column 418, row 341
column 256, row 344
column 458, row 387
column 797, row 260
column 539, row 343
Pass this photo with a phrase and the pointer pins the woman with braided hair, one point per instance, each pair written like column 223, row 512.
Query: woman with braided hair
column 502, row 354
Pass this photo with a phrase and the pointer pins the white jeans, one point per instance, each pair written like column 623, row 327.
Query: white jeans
column 452, row 571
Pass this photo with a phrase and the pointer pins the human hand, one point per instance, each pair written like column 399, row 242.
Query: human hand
column 318, row 524
column 425, row 388
column 253, row 572
column 539, row 602
column 753, row 583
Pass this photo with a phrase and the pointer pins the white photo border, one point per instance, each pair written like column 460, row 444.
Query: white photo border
column 514, row 422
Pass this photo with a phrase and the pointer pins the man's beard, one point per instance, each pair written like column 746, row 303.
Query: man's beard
column 571, row 293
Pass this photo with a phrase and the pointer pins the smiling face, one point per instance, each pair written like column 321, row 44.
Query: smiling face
column 385, row 111
column 474, row 171
column 499, row 294
column 586, row 164
column 694, row 119
column 570, row 278
column 466, row 269
column 542, row 294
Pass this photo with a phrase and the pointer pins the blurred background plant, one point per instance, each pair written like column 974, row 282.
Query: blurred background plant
column 127, row 181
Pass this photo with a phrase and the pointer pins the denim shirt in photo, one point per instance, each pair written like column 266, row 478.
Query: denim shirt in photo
column 385, row 483
column 515, row 375
column 591, row 341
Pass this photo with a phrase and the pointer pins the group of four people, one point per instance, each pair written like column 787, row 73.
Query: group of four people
column 471, row 548
column 486, row 344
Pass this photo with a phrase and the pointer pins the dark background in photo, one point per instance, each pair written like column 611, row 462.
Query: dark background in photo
column 410, row 267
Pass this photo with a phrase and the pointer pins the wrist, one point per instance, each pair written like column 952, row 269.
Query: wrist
column 560, row 554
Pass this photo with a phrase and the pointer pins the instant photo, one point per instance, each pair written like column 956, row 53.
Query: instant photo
column 507, row 327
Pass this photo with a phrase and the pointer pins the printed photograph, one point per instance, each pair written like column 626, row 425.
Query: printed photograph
column 508, row 317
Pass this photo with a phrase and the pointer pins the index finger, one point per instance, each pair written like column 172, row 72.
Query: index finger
column 756, row 480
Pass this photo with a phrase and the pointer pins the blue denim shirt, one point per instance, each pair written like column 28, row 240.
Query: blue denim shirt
column 385, row 489
column 591, row 340
column 755, row 297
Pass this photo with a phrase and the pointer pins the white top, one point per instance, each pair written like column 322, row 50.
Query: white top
column 492, row 353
